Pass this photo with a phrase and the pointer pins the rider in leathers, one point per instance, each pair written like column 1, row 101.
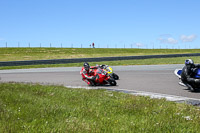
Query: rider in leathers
column 188, row 73
column 87, row 75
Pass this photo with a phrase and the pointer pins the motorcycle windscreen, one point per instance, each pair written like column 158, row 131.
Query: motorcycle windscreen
column 99, row 71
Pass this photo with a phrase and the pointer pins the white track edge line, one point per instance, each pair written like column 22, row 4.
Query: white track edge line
column 143, row 93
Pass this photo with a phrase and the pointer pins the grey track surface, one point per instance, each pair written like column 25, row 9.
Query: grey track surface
column 148, row 78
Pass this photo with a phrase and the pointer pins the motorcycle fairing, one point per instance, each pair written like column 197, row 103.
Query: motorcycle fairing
column 178, row 72
column 198, row 74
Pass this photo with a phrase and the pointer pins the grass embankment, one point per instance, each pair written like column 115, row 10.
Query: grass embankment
column 156, row 61
column 36, row 108
column 16, row 54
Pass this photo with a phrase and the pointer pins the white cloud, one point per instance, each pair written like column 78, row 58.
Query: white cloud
column 139, row 44
column 172, row 40
column 168, row 40
column 189, row 38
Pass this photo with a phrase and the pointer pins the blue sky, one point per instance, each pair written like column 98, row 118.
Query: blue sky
column 107, row 23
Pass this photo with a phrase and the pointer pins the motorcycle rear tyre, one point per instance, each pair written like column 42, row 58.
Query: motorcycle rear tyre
column 193, row 89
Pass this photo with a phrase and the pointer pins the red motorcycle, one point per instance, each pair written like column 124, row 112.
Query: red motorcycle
column 103, row 78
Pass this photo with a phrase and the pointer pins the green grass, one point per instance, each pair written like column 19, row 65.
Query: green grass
column 16, row 54
column 155, row 61
column 37, row 108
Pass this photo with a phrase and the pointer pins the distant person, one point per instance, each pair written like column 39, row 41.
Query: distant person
column 93, row 45
column 188, row 73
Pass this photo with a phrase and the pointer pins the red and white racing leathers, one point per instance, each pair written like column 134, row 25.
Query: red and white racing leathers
column 87, row 76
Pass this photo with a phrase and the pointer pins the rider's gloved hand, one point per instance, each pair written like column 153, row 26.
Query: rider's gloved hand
column 94, row 77
column 197, row 81
column 194, row 70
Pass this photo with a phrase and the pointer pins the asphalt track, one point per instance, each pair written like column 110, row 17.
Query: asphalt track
column 145, row 78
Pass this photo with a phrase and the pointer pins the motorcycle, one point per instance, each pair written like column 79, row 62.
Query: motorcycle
column 193, row 87
column 110, row 72
column 103, row 78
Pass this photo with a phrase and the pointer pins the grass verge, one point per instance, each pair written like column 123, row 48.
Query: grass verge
column 16, row 54
column 155, row 61
column 37, row 108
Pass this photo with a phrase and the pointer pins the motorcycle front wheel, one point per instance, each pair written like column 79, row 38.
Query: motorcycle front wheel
column 112, row 82
column 115, row 76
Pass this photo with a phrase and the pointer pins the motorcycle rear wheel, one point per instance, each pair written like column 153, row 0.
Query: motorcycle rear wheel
column 193, row 88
